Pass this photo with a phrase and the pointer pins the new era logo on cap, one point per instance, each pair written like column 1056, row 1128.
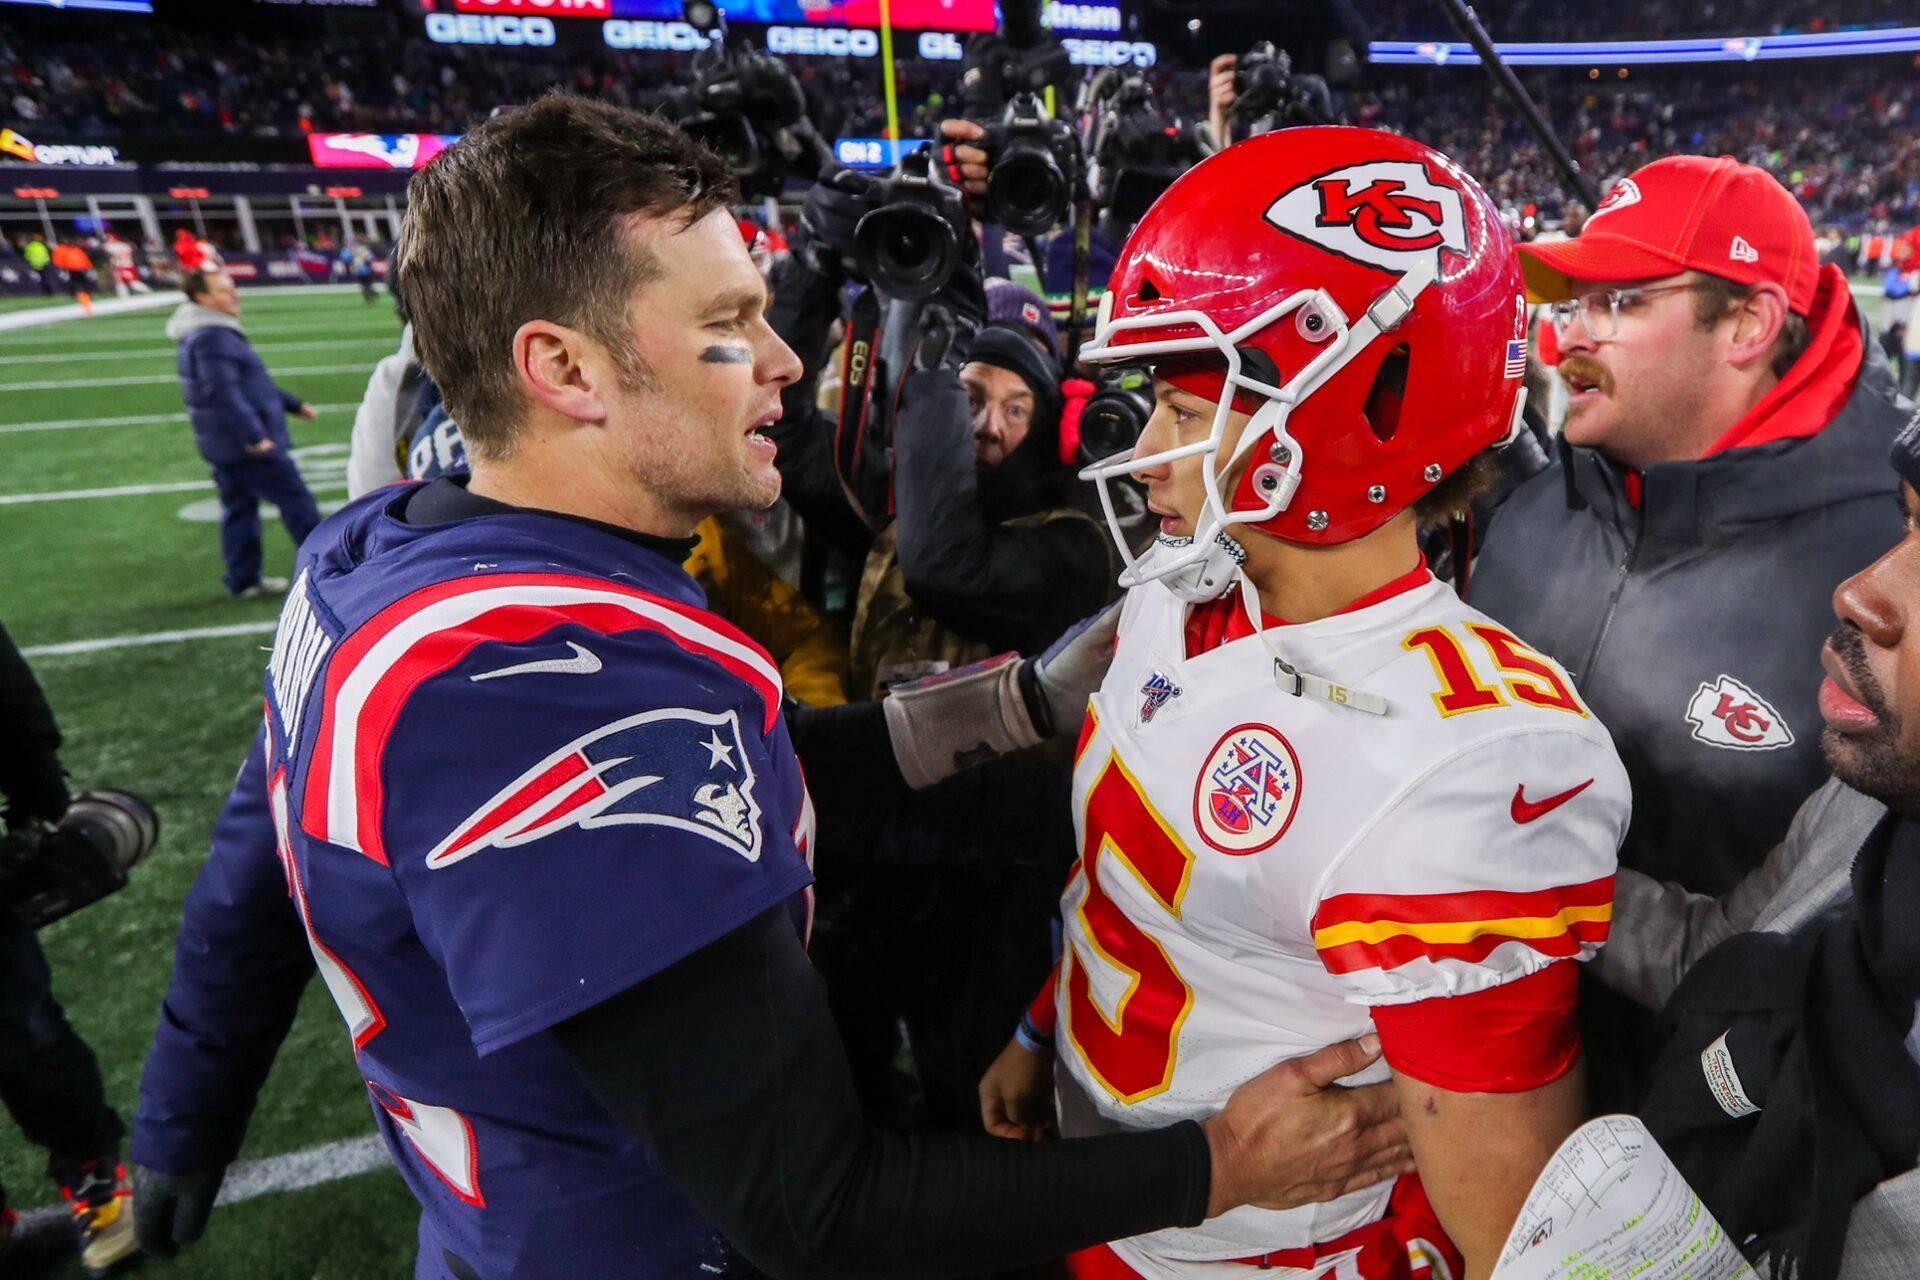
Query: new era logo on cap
column 1742, row 251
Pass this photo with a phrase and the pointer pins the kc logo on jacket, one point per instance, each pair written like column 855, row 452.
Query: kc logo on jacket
column 1386, row 213
column 1725, row 713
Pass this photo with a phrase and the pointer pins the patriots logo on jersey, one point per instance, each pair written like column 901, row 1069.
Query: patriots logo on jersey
column 1156, row 693
column 676, row 768
column 1247, row 791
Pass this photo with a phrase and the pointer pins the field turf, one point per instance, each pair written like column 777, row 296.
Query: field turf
column 91, row 405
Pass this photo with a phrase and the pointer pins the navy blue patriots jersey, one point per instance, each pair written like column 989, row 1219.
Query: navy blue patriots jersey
column 510, row 767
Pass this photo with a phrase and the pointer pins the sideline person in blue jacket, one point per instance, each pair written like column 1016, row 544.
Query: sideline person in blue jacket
column 239, row 421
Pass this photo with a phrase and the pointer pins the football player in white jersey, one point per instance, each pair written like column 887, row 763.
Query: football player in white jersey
column 1318, row 794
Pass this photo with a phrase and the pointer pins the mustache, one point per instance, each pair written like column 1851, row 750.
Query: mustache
column 1851, row 649
column 1586, row 369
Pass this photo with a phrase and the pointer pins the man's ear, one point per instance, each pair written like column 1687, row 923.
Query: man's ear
column 552, row 364
column 1757, row 323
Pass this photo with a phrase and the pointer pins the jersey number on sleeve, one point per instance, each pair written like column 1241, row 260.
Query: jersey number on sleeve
column 1131, row 1053
column 1524, row 675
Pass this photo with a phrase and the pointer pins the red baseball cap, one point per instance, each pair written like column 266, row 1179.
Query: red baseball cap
column 1684, row 213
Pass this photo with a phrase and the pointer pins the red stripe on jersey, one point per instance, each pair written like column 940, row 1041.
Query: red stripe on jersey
column 437, row 651
column 1437, row 908
column 1391, row 953
column 1515, row 1037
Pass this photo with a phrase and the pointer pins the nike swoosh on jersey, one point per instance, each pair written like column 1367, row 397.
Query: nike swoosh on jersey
column 1525, row 810
column 583, row 663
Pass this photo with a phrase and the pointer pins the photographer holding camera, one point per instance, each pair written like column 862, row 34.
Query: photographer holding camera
column 49, row 1079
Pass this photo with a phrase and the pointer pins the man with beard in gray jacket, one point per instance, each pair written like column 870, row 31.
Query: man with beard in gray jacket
column 1723, row 470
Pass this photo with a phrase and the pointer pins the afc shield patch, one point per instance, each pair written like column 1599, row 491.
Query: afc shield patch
column 1248, row 789
column 1385, row 213
column 1725, row 713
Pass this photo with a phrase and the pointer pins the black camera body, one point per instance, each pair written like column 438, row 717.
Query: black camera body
column 1138, row 151
column 748, row 108
column 1036, row 162
column 912, row 241
column 1268, row 94
column 50, row 872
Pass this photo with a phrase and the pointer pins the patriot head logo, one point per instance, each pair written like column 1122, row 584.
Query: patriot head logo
column 676, row 768
column 1247, row 792
column 1385, row 213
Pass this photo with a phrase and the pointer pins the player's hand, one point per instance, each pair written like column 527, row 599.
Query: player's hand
column 1292, row 1137
column 1016, row 1094
column 170, row 1210
column 307, row 411
column 261, row 446
column 966, row 165
column 1071, row 669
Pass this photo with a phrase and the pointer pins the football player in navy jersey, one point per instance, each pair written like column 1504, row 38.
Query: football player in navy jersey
column 535, row 815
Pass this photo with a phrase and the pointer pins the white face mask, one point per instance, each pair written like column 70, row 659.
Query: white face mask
column 1204, row 566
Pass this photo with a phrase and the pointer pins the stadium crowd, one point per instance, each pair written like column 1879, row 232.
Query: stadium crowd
column 633, row 995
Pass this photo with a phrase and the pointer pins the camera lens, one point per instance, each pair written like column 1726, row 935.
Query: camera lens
column 1026, row 191
column 906, row 250
column 1113, row 419
column 119, row 825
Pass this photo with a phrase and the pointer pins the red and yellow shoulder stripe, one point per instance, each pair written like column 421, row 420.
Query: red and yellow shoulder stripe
column 1354, row 931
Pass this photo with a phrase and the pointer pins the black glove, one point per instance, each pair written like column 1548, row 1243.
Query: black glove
column 170, row 1210
column 38, row 793
column 833, row 208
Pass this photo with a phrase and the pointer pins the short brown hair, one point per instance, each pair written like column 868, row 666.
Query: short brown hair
column 1471, row 481
column 526, row 218
column 1714, row 299
column 194, row 283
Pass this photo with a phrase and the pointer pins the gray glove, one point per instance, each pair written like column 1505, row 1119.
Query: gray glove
column 170, row 1210
column 1071, row 669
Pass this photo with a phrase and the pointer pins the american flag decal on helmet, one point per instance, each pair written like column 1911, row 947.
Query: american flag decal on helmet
column 1517, row 358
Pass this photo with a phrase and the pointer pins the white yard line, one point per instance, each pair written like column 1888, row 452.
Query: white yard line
column 151, row 331
column 132, row 420
column 67, row 384
column 118, row 491
column 154, row 353
column 38, row 316
column 152, row 637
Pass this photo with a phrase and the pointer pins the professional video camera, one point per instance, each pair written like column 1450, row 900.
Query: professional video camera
column 1269, row 95
column 909, row 245
column 747, row 107
column 50, row 872
column 1138, row 150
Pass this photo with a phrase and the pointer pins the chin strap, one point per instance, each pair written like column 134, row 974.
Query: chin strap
column 1304, row 684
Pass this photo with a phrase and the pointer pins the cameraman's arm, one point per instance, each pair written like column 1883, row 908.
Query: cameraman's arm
column 1006, row 587
column 806, row 302
column 239, row 967
column 31, row 779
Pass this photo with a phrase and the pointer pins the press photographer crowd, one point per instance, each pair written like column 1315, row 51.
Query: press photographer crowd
column 1233, row 659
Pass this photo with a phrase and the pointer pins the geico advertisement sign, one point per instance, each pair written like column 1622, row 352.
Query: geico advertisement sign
column 943, row 46
column 857, row 42
column 474, row 28
column 544, row 8
column 20, row 148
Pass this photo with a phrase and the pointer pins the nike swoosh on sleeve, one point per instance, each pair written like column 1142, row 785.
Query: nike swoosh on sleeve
column 583, row 663
column 1525, row 810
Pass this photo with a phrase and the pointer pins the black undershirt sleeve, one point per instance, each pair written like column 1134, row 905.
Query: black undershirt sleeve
column 753, row 1115
column 847, row 752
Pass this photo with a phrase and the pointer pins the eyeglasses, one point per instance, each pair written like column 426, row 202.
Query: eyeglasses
column 1600, row 310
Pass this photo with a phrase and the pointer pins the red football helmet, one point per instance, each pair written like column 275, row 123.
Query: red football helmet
column 1353, row 290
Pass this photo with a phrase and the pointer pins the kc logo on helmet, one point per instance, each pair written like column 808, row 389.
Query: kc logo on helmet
column 1725, row 713
column 1386, row 213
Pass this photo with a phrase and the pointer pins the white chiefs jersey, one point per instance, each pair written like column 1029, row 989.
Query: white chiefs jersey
column 1260, row 869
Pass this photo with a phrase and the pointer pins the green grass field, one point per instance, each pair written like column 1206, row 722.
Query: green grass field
column 89, row 405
